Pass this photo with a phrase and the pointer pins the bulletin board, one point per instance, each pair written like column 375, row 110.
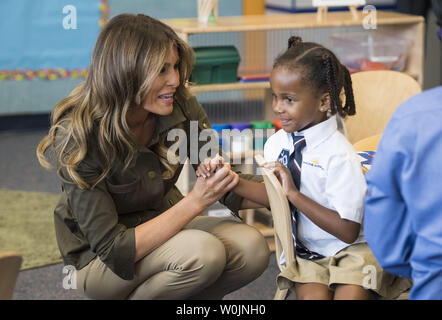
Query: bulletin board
column 48, row 39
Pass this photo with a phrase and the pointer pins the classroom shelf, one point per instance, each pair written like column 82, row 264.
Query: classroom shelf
column 229, row 86
column 411, row 26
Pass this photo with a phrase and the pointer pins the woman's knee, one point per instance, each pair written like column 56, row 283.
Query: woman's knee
column 251, row 247
column 257, row 250
column 206, row 257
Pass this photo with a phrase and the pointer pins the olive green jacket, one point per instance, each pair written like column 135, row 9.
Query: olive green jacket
column 101, row 221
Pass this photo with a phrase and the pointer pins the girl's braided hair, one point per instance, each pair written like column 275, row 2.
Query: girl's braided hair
column 322, row 71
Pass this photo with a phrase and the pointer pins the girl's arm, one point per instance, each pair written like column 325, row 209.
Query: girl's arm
column 327, row 219
column 254, row 194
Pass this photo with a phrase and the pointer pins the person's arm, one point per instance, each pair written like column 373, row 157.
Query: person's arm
column 387, row 224
column 254, row 194
column 233, row 201
column 153, row 233
column 95, row 212
column 327, row 219
column 96, row 218
column 403, row 221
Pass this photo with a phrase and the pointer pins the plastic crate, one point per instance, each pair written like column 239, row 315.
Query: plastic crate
column 363, row 51
column 215, row 65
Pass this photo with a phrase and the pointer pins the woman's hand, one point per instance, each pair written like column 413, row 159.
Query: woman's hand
column 210, row 189
column 283, row 174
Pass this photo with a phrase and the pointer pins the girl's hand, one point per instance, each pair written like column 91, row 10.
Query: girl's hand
column 209, row 166
column 283, row 174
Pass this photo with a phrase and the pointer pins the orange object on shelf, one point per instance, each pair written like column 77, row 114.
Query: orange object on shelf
column 277, row 124
column 367, row 65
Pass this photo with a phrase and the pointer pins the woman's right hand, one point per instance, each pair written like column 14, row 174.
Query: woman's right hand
column 210, row 189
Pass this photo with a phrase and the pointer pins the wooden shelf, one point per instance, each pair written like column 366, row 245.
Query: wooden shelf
column 286, row 21
column 411, row 26
column 229, row 86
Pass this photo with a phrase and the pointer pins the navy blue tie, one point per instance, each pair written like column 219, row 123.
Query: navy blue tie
column 294, row 164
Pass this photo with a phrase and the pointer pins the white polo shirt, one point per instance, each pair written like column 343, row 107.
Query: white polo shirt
column 331, row 175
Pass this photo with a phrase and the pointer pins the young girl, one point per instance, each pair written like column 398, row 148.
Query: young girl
column 333, row 260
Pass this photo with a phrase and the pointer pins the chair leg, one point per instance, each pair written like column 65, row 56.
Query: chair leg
column 280, row 294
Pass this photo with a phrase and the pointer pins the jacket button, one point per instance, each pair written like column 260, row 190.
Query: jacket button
column 151, row 174
column 205, row 125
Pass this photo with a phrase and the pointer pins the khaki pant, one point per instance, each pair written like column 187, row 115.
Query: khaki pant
column 208, row 259
column 355, row 265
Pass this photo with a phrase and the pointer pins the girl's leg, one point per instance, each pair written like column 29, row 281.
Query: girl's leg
column 352, row 292
column 313, row 291
column 247, row 254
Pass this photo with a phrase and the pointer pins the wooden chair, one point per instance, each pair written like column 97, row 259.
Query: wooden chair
column 371, row 144
column 377, row 95
column 10, row 263
column 367, row 144
column 279, row 206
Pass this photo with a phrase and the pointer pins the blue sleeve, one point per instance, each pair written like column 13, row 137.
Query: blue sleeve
column 387, row 223
column 403, row 207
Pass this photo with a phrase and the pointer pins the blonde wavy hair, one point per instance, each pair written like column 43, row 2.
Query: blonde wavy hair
column 128, row 56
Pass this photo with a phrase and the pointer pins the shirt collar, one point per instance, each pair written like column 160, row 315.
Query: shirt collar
column 318, row 133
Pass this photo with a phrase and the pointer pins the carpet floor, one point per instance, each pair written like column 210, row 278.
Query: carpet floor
column 26, row 226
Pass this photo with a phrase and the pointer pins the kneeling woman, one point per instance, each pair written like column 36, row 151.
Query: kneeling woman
column 121, row 221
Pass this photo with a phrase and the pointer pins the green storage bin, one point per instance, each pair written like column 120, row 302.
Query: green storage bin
column 259, row 142
column 215, row 65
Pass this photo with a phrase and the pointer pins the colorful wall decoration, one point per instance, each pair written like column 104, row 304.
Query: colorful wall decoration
column 48, row 39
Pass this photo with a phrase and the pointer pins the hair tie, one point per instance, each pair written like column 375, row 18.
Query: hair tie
column 294, row 41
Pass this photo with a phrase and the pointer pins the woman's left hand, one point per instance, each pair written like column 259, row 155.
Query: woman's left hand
column 283, row 174
column 209, row 166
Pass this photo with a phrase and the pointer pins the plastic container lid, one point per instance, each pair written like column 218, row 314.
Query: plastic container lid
column 265, row 124
column 240, row 125
column 216, row 55
column 277, row 124
column 220, row 126
column 364, row 51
